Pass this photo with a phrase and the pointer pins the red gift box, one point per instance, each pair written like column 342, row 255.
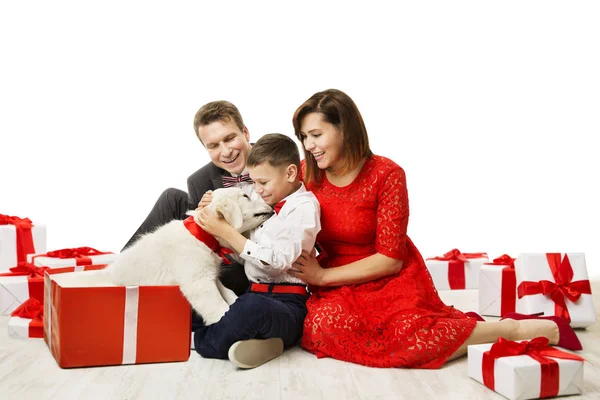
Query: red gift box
column 91, row 326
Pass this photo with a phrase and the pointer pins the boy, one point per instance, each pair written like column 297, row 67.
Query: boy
column 270, row 315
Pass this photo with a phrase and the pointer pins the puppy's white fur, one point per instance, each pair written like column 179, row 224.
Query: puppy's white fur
column 171, row 255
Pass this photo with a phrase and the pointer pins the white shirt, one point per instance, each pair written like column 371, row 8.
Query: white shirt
column 279, row 241
column 247, row 187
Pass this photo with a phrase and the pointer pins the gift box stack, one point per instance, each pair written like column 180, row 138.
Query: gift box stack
column 85, row 322
column 552, row 284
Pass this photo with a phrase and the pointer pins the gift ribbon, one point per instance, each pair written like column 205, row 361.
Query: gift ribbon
column 208, row 239
column 539, row 350
column 26, row 269
column 562, row 287
column 80, row 254
column 456, row 266
column 132, row 300
column 508, row 291
column 24, row 235
column 31, row 309
column 35, row 287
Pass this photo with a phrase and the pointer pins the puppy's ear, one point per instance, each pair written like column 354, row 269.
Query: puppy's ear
column 230, row 210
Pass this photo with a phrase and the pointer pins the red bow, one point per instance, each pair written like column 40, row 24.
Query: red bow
column 539, row 350
column 80, row 254
column 456, row 266
column 208, row 239
column 26, row 269
column 24, row 236
column 31, row 309
column 562, row 287
column 508, row 299
column 277, row 207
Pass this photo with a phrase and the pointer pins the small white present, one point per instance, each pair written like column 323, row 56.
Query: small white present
column 555, row 284
column 27, row 321
column 498, row 287
column 455, row 270
column 18, row 238
column 526, row 370
column 70, row 257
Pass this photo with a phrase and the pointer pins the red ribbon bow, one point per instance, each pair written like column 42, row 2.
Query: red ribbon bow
column 208, row 239
column 539, row 350
column 26, row 269
column 456, row 266
column 80, row 254
column 24, row 236
column 31, row 309
column 508, row 291
column 561, row 288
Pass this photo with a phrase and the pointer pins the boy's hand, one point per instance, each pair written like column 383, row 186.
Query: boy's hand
column 205, row 200
column 212, row 223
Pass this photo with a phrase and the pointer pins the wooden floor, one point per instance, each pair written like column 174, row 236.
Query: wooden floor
column 28, row 371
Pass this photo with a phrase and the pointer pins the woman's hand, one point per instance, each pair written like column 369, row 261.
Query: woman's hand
column 205, row 200
column 307, row 268
column 212, row 223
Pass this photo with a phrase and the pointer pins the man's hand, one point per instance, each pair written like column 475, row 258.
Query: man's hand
column 205, row 200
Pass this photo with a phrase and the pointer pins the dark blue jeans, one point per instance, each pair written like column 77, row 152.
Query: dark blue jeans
column 252, row 316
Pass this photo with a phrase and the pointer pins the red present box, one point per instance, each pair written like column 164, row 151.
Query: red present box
column 111, row 325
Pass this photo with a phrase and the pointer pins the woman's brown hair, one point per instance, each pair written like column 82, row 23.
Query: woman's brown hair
column 338, row 109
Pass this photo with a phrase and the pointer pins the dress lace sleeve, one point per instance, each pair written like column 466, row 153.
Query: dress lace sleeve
column 392, row 215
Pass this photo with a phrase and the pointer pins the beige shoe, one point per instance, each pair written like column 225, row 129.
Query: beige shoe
column 254, row 352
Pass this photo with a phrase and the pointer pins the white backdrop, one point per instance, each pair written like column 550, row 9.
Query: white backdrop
column 492, row 109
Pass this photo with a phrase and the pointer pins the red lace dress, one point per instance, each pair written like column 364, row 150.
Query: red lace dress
column 395, row 321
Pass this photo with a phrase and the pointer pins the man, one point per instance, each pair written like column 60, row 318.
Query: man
column 221, row 130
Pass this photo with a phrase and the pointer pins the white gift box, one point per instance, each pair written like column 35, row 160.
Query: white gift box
column 439, row 271
column 535, row 267
column 55, row 262
column 8, row 244
column 496, row 280
column 24, row 328
column 519, row 377
column 14, row 290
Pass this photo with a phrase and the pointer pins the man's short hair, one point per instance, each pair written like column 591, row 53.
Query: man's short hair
column 276, row 149
column 222, row 111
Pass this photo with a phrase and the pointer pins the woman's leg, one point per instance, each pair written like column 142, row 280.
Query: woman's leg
column 489, row 332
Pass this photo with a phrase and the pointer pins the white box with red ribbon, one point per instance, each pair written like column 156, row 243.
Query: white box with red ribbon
column 72, row 256
column 455, row 270
column 498, row 287
column 526, row 369
column 555, row 284
column 18, row 238
column 27, row 281
column 26, row 321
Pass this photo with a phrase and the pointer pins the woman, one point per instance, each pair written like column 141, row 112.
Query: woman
column 373, row 301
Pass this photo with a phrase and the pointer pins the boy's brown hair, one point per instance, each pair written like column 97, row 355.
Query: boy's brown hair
column 276, row 149
column 338, row 109
column 214, row 111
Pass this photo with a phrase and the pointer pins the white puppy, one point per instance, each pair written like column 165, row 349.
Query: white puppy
column 172, row 255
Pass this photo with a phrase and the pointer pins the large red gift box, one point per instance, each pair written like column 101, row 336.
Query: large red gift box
column 110, row 325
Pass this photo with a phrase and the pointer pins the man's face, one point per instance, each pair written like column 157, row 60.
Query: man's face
column 227, row 146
